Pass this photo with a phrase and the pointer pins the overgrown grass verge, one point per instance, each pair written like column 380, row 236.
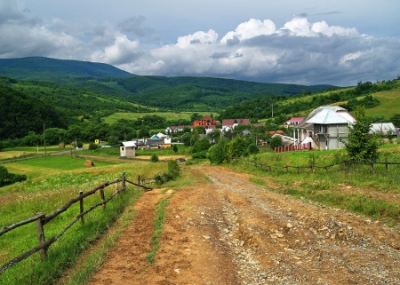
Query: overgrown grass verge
column 158, row 228
column 47, row 191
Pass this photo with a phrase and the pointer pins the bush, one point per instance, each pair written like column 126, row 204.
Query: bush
column 93, row 146
column 276, row 142
column 200, row 155
column 173, row 169
column 154, row 157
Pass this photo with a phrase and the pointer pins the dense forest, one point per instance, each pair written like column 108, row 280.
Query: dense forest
column 21, row 113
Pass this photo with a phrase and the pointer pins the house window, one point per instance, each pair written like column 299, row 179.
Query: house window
column 122, row 148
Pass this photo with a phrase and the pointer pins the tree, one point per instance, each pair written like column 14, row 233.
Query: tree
column 275, row 142
column 201, row 145
column 396, row 120
column 175, row 148
column 215, row 135
column 361, row 145
column 173, row 169
column 195, row 117
column 237, row 147
column 218, row 153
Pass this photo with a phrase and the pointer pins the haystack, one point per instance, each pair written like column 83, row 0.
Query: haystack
column 89, row 163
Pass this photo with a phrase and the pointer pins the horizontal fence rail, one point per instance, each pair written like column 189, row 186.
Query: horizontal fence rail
column 41, row 219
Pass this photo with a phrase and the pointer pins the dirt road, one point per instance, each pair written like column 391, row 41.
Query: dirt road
column 228, row 231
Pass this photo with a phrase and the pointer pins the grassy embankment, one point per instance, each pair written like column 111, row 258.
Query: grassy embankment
column 373, row 194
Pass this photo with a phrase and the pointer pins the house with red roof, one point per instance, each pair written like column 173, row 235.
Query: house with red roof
column 230, row 124
column 294, row 121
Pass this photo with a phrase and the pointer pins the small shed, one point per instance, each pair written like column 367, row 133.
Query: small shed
column 127, row 149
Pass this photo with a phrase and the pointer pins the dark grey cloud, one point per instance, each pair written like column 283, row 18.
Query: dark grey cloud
column 135, row 25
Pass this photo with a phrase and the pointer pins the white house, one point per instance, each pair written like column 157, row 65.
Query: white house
column 127, row 149
column 325, row 127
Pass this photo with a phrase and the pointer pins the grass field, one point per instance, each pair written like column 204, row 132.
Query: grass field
column 390, row 104
column 51, row 183
column 167, row 115
column 16, row 152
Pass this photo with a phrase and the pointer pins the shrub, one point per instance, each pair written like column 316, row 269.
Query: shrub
column 276, row 142
column 93, row 146
column 154, row 157
column 200, row 155
column 173, row 169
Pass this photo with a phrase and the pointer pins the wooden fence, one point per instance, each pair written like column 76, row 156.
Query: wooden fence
column 346, row 165
column 42, row 219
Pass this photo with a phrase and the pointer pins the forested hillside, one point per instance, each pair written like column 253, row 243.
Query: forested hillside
column 42, row 68
column 202, row 93
column 22, row 113
column 364, row 94
column 165, row 93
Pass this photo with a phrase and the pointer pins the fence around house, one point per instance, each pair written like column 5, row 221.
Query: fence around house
column 383, row 167
column 298, row 147
column 42, row 219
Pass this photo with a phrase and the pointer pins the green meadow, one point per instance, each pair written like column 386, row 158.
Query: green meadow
column 51, row 183
column 169, row 116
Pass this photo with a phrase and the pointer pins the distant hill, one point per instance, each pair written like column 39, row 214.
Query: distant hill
column 205, row 93
column 42, row 68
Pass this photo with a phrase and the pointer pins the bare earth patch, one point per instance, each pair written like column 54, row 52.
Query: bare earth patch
column 232, row 232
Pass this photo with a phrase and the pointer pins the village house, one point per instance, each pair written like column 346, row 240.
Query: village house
column 205, row 121
column 127, row 149
column 293, row 121
column 325, row 128
column 230, row 124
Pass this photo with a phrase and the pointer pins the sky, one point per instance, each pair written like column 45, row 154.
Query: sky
column 306, row 42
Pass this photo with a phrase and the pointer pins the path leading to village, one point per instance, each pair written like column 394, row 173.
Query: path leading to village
column 226, row 230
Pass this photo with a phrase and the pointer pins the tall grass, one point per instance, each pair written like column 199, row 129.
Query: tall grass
column 47, row 192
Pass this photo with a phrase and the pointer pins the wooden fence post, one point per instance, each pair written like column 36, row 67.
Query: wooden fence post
column 123, row 180
column 81, row 207
column 102, row 198
column 41, row 236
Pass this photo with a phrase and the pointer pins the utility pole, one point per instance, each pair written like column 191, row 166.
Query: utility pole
column 44, row 139
column 272, row 110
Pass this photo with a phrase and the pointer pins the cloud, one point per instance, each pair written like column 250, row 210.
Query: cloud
column 123, row 50
column 134, row 25
column 250, row 29
column 299, row 51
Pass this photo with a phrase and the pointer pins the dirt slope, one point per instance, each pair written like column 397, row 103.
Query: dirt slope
column 232, row 232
